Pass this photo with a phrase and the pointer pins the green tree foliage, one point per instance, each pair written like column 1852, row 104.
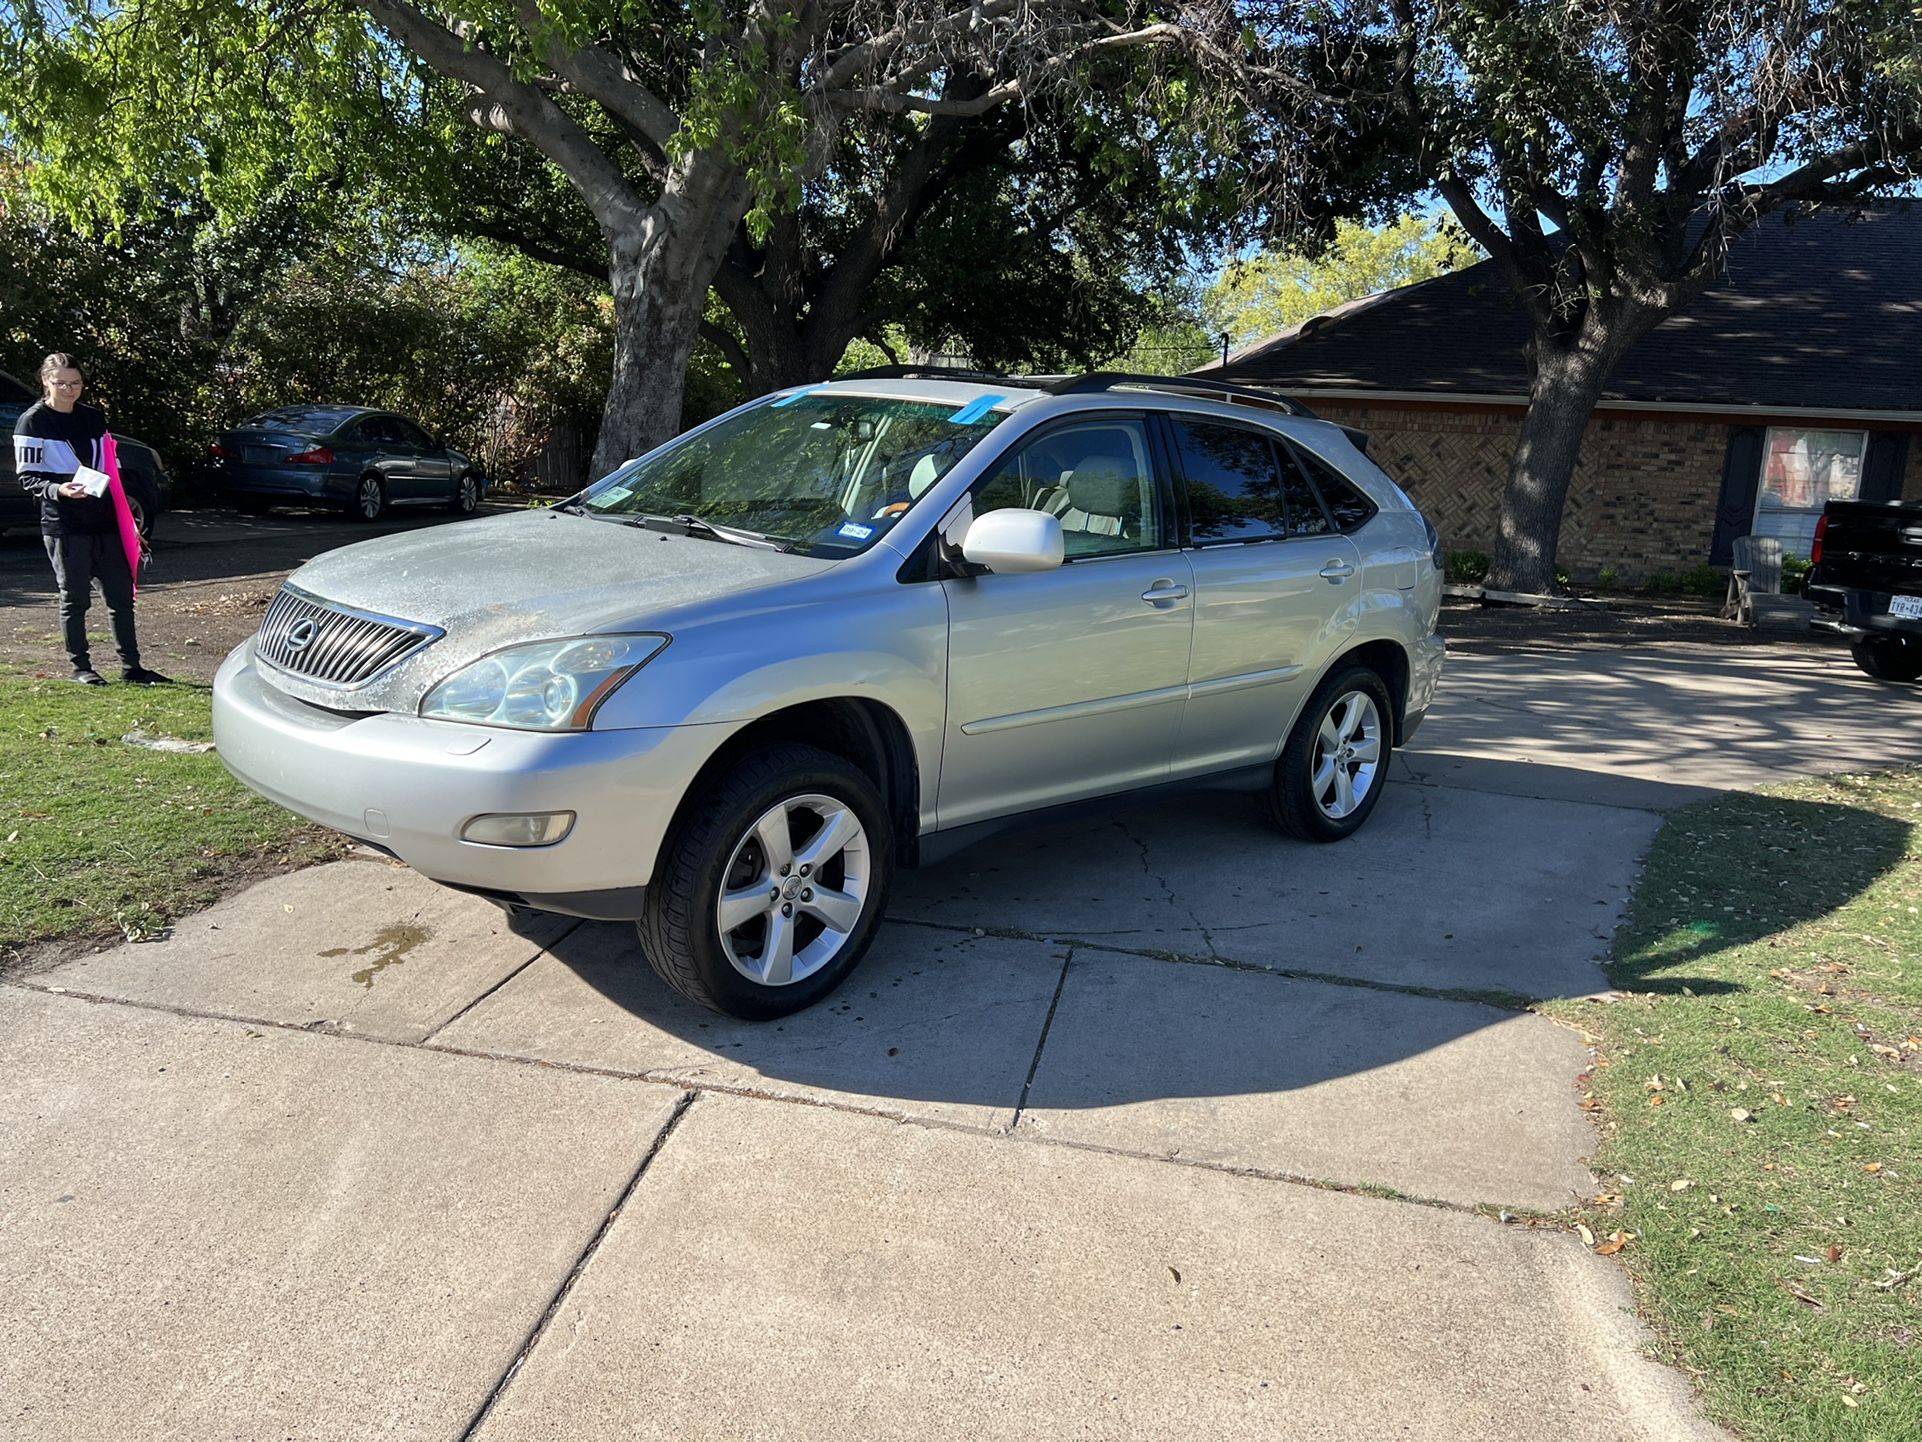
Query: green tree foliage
column 676, row 126
column 1274, row 290
column 186, row 323
column 490, row 351
column 1607, row 158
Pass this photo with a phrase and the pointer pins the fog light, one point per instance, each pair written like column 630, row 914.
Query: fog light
column 531, row 828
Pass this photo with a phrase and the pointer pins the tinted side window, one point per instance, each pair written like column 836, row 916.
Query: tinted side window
column 1346, row 503
column 1305, row 514
column 412, row 434
column 1094, row 476
column 1235, row 490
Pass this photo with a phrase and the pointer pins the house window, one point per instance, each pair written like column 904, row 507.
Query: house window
column 1801, row 472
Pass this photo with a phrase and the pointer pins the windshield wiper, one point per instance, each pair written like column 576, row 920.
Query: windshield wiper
column 687, row 525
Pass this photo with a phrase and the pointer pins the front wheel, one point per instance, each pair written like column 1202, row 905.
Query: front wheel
column 771, row 886
column 1888, row 658
column 466, row 497
column 1335, row 761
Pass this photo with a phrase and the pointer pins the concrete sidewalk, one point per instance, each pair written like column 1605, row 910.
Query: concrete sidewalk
column 1159, row 1126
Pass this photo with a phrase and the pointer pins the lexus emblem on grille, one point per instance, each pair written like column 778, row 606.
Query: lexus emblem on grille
column 301, row 635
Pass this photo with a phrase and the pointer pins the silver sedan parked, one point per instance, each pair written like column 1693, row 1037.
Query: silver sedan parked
column 346, row 458
column 727, row 689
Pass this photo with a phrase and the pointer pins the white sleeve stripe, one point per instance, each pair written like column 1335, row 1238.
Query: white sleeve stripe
column 49, row 458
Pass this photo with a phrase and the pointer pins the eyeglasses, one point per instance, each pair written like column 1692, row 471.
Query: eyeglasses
column 68, row 385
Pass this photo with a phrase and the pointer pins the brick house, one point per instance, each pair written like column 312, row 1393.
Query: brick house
column 1796, row 379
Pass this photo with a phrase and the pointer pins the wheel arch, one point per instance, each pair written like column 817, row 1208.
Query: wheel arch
column 1388, row 660
column 866, row 733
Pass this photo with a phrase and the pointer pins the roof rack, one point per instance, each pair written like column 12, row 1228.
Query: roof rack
column 1182, row 385
column 938, row 373
column 1096, row 381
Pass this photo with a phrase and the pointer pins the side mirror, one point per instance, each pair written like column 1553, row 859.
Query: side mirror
column 1012, row 541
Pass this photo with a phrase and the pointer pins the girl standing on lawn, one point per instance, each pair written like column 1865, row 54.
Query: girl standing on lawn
column 53, row 440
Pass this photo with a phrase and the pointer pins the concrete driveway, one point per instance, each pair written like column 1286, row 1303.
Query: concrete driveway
column 1157, row 1126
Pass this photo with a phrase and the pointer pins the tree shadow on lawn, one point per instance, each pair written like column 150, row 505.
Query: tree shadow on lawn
column 1738, row 869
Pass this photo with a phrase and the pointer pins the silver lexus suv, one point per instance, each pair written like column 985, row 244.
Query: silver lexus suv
column 726, row 690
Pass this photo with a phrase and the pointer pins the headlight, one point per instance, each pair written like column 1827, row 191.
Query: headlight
column 548, row 686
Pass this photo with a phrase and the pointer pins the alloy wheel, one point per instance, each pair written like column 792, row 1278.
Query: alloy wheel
column 369, row 498
column 1347, row 755
column 795, row 889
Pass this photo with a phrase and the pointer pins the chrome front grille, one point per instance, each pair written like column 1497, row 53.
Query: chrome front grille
column 335, row 645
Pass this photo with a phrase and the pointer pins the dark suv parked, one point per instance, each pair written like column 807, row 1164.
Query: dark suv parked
column 346, row 457
column 145, row 475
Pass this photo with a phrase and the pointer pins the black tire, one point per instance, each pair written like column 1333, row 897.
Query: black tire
column 251, row 505
column 1888, row 658
column 1294, row 801
column 680, row 929
column 466, row 498
column 369, row 499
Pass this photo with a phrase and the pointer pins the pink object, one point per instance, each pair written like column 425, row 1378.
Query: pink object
column 129, row 532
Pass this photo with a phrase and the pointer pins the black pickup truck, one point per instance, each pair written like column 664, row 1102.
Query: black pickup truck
column 1867, row 583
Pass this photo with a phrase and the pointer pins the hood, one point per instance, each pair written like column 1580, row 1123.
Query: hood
column 530, row 576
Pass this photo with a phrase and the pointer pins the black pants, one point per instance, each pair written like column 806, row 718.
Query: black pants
column 79, row 561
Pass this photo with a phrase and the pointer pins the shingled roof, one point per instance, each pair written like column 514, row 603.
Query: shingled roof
column 1818, row 312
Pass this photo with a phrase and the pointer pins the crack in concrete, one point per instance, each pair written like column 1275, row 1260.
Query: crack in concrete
column 1168, row 891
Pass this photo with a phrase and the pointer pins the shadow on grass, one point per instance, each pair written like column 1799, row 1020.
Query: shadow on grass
column 1730, row 872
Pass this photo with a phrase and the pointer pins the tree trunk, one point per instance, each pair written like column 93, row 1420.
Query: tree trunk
column 1567, row 384
column 659, row 273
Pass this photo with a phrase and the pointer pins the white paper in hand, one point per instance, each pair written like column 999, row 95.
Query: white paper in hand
column 94, row 481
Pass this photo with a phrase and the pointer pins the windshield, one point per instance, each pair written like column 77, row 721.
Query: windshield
column 824, row 473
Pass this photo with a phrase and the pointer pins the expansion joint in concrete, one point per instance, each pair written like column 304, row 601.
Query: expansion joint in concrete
column 1492, row 997
column 555, row 1303
column 539, row 952
column 1041, row 1042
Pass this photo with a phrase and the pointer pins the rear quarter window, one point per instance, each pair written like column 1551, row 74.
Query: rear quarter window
column 1347, row 503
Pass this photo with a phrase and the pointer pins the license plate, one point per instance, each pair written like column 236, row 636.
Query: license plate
column 1907, row 607
column 259, row 455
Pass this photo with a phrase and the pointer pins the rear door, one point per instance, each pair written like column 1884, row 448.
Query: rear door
column 1069, row 683
column 393, row 457
column 1275, row 583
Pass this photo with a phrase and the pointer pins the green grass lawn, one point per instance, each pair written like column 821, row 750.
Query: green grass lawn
column 103, row 838
column 1761, row 1096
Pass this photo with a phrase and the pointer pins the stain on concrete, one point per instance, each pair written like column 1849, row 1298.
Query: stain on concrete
column 392, row 942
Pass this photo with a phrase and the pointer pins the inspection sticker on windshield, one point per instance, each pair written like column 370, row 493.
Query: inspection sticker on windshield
column 855, row 532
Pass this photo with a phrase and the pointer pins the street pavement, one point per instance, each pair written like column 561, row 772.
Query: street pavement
column 1154, row 1125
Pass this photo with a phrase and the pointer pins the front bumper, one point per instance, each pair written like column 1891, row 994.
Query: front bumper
column 408, row 785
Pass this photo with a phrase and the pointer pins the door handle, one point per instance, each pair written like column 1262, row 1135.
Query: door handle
column 1336, row 572
column 1164, row 591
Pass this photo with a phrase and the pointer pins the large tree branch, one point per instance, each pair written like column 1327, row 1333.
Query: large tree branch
column 732, row 351
column 1868, row 165
column 894, row 96
column 512, row 107
column 594, row 267
column 615, row 87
